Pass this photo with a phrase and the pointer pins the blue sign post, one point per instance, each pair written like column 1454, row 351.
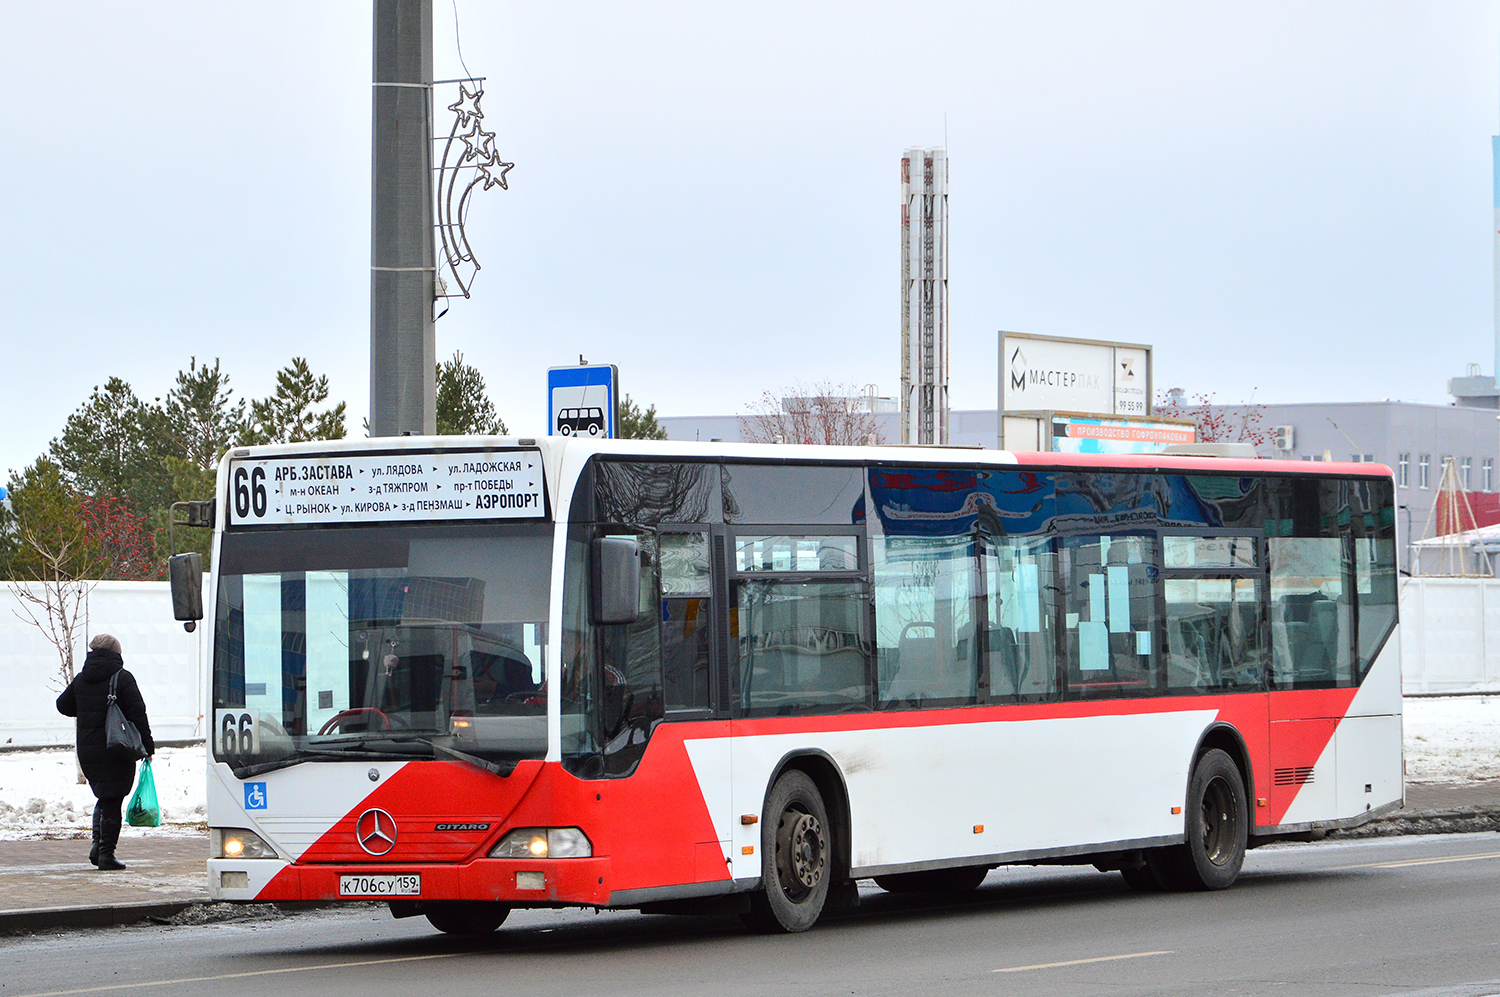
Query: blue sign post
column 583, row 401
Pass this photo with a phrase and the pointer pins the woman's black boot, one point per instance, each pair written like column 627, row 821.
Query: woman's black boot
column 109, row 836
column 94, row 851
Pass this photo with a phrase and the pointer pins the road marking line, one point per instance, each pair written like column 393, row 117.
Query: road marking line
column 240, row 976
column 1407, row 862
column 1079, row 962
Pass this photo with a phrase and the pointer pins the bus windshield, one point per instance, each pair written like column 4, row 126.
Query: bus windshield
column 393, row 641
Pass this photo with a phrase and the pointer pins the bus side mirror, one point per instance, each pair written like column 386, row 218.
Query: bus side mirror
column 186, row 572
column 616, row 589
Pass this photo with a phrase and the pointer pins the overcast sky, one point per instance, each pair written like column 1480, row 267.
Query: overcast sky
column 1288, row 199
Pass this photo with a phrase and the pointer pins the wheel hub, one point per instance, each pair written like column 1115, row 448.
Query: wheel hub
column 800, row 856
column 1218, row 822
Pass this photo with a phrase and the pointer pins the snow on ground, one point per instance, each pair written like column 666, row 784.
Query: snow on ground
column 40, row 796
column 1450, row 739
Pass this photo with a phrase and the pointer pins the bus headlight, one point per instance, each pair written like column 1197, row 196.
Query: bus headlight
column 237, row 843
column 543, row 843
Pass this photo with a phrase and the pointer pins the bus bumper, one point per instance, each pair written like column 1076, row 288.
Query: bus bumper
column 582, row 882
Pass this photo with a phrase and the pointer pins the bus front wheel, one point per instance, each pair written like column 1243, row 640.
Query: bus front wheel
column 1216, row 827
column 466, row 917
column 796, row 857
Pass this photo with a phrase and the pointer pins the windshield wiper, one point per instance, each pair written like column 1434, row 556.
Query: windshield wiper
column 367, row 750
column 245, row 771
column 493, row 768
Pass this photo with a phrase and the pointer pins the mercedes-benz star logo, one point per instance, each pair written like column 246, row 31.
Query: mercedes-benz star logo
column 375, row 831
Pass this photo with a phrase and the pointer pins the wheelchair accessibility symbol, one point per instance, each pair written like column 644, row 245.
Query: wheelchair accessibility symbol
column 255, row 796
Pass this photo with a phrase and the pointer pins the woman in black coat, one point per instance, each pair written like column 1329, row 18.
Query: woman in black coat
column 87, row 698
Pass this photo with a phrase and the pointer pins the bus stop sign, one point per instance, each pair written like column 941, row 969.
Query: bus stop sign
column 583, row 401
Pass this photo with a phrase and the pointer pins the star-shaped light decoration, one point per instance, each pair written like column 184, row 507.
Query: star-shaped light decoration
column 467, row 105
column 469, row 147
column 486, row 150
column 474, row 141
column 493, row 180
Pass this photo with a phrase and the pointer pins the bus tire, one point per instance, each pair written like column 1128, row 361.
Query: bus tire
column 960, row 879
column 1217, row 828
column 796, row 858
column 466, row 917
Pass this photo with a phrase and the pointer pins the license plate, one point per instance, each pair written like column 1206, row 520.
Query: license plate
column 406, row 885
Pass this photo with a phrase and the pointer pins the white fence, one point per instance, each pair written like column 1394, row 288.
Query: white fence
column 1450, row 634
column 1450, row 642
column 166, row 661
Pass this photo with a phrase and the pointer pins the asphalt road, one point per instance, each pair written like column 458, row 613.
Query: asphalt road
column 1417, row 915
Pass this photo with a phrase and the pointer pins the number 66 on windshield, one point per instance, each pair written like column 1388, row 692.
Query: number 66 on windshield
column 236, row 732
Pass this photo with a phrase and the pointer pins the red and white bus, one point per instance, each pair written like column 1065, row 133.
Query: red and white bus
column 466, row 675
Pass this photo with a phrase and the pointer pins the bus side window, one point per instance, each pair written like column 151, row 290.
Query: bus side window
column 1109, row 610
column 1214, row 634
column 1311, row 553
column 1374, row 566
column 927, row 634
column 1213, row 592
column 1020, row 606
column 686, row 620
column 630, row 689
column 1310, row 613
column 802, row 646
column 579, row 694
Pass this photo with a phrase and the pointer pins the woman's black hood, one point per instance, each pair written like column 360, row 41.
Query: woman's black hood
column 100, row 665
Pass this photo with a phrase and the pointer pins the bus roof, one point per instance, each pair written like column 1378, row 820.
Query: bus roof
column 815, row 452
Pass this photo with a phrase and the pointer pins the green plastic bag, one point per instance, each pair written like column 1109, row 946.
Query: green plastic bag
column 144, row 810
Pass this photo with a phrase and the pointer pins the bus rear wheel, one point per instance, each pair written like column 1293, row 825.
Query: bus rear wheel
column 466, row 917
column 963, row 879
column 1217, row 828
column 796, row 858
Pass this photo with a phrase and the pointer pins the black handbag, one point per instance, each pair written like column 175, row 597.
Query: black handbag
column 121, row 740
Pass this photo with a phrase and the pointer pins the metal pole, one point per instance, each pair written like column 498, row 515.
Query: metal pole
column 403, row 350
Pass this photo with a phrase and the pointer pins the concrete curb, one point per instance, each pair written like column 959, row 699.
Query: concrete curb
column 20, row 922
column 1459, row 820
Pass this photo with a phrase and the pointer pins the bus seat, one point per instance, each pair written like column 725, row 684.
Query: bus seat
column 1320, row 648
column 1185, row 656
column 1005, row 665
column 1286, row 643
column 842, row 674
column 518, row 676
column 917, row 660
column 918, row 667
column 1038, row 673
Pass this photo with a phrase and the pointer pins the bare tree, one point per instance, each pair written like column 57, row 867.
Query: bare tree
column 55, row 601
column 827, row 413
column 1218, row 423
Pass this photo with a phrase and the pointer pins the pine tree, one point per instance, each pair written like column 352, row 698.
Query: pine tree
column 463, row 406
column 638, row 425
column 202, row 418
column 113, row 444
column 288, row 415
column 44, row 528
